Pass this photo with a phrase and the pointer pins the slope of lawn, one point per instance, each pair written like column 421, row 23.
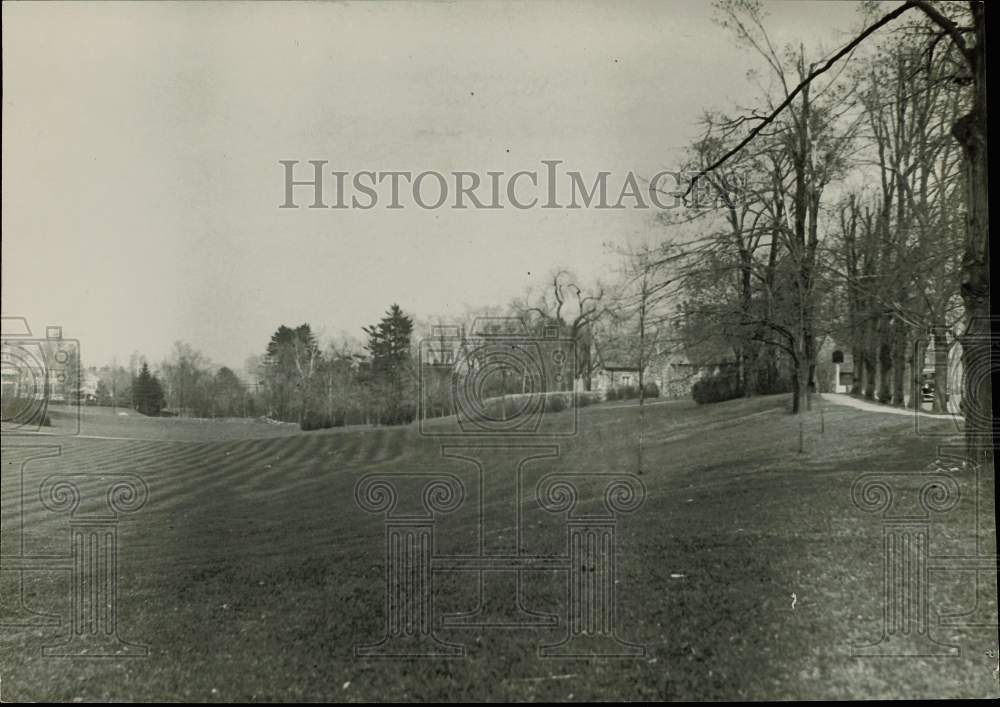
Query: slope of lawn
column 251, row 574
column 122, row 423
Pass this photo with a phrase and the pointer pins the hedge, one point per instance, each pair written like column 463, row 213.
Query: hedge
column 631, row 392
column 714, row 389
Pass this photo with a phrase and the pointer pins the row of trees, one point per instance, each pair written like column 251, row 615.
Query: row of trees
column 186, row 383
column 376, row 382
column 858, row 216
column 193, row 386
column 343, row 384
column 855, row 217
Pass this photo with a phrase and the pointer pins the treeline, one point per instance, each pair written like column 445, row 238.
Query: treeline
column 376, row 380
column 342, row 386
column 841, row 223
column 187, row 384
column 379, row 381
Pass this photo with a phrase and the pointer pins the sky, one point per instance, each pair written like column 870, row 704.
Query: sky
column 141, row 149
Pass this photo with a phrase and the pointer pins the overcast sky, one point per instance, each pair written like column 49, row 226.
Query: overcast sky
column 141, row 146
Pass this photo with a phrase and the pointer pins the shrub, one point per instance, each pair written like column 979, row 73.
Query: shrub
column 557, row 402
column 770, row 380
column 25, row 411
column 511, row 406
column 316, row 421
column 714, row 389
column 406, row 413
column 403, row 414
column 320, row 420
column 588, row 397
column 651, row 390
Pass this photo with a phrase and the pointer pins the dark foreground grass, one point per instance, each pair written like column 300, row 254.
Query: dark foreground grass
column 251, row 574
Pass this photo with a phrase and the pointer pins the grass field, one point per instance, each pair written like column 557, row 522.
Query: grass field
column 251, row 573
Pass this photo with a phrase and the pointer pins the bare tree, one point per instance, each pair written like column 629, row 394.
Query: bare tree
column 970, row 131
column 807, row 135
column 571, row 307
column 642, row 305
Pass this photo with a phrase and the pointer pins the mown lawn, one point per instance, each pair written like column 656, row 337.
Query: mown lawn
column 251, row 573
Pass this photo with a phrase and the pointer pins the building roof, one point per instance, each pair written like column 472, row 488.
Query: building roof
column 620, row 366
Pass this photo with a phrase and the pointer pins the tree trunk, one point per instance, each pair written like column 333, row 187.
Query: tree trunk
column 810, row 367
column 741, row 370
column 940, row 403
column 857, row 359
column 750, row 369
column 970, row 132
column 977, row 394
column 870, row 374
column 917, row 374
column 884, row 392
column 899, row 367
column 870, row 357
column 800, row 380
column 642, row 384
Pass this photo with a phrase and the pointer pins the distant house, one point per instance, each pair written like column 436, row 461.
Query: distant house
column 88, row 385
column 680, row 374
column 614, row 366
column 30, row 378
column 840, row 377
column 615, row 375
column 9, row 382
column 841, row 372
column 668, row 368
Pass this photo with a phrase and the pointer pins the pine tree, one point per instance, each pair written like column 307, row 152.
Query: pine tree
column 103, row 394
column 147, row 393
column 292, row 359
column 390, row 369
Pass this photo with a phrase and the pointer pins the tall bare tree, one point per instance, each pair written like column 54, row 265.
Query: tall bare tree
column 571, row 306
column 963, row 30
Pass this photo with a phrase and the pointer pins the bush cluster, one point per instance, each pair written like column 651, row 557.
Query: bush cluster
column 24, row 411
column 497, row 408
column 714, row 389
column 320, row 421
column 557, row 401
column 403, row 413
column 631, row 392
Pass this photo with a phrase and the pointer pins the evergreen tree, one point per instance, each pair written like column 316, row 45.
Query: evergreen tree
column 389, row 373
column 103, row 394
column 291, row 362
column 228, row 394
column 147, row 393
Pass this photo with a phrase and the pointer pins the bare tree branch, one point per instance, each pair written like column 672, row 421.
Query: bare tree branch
column 845, row 50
